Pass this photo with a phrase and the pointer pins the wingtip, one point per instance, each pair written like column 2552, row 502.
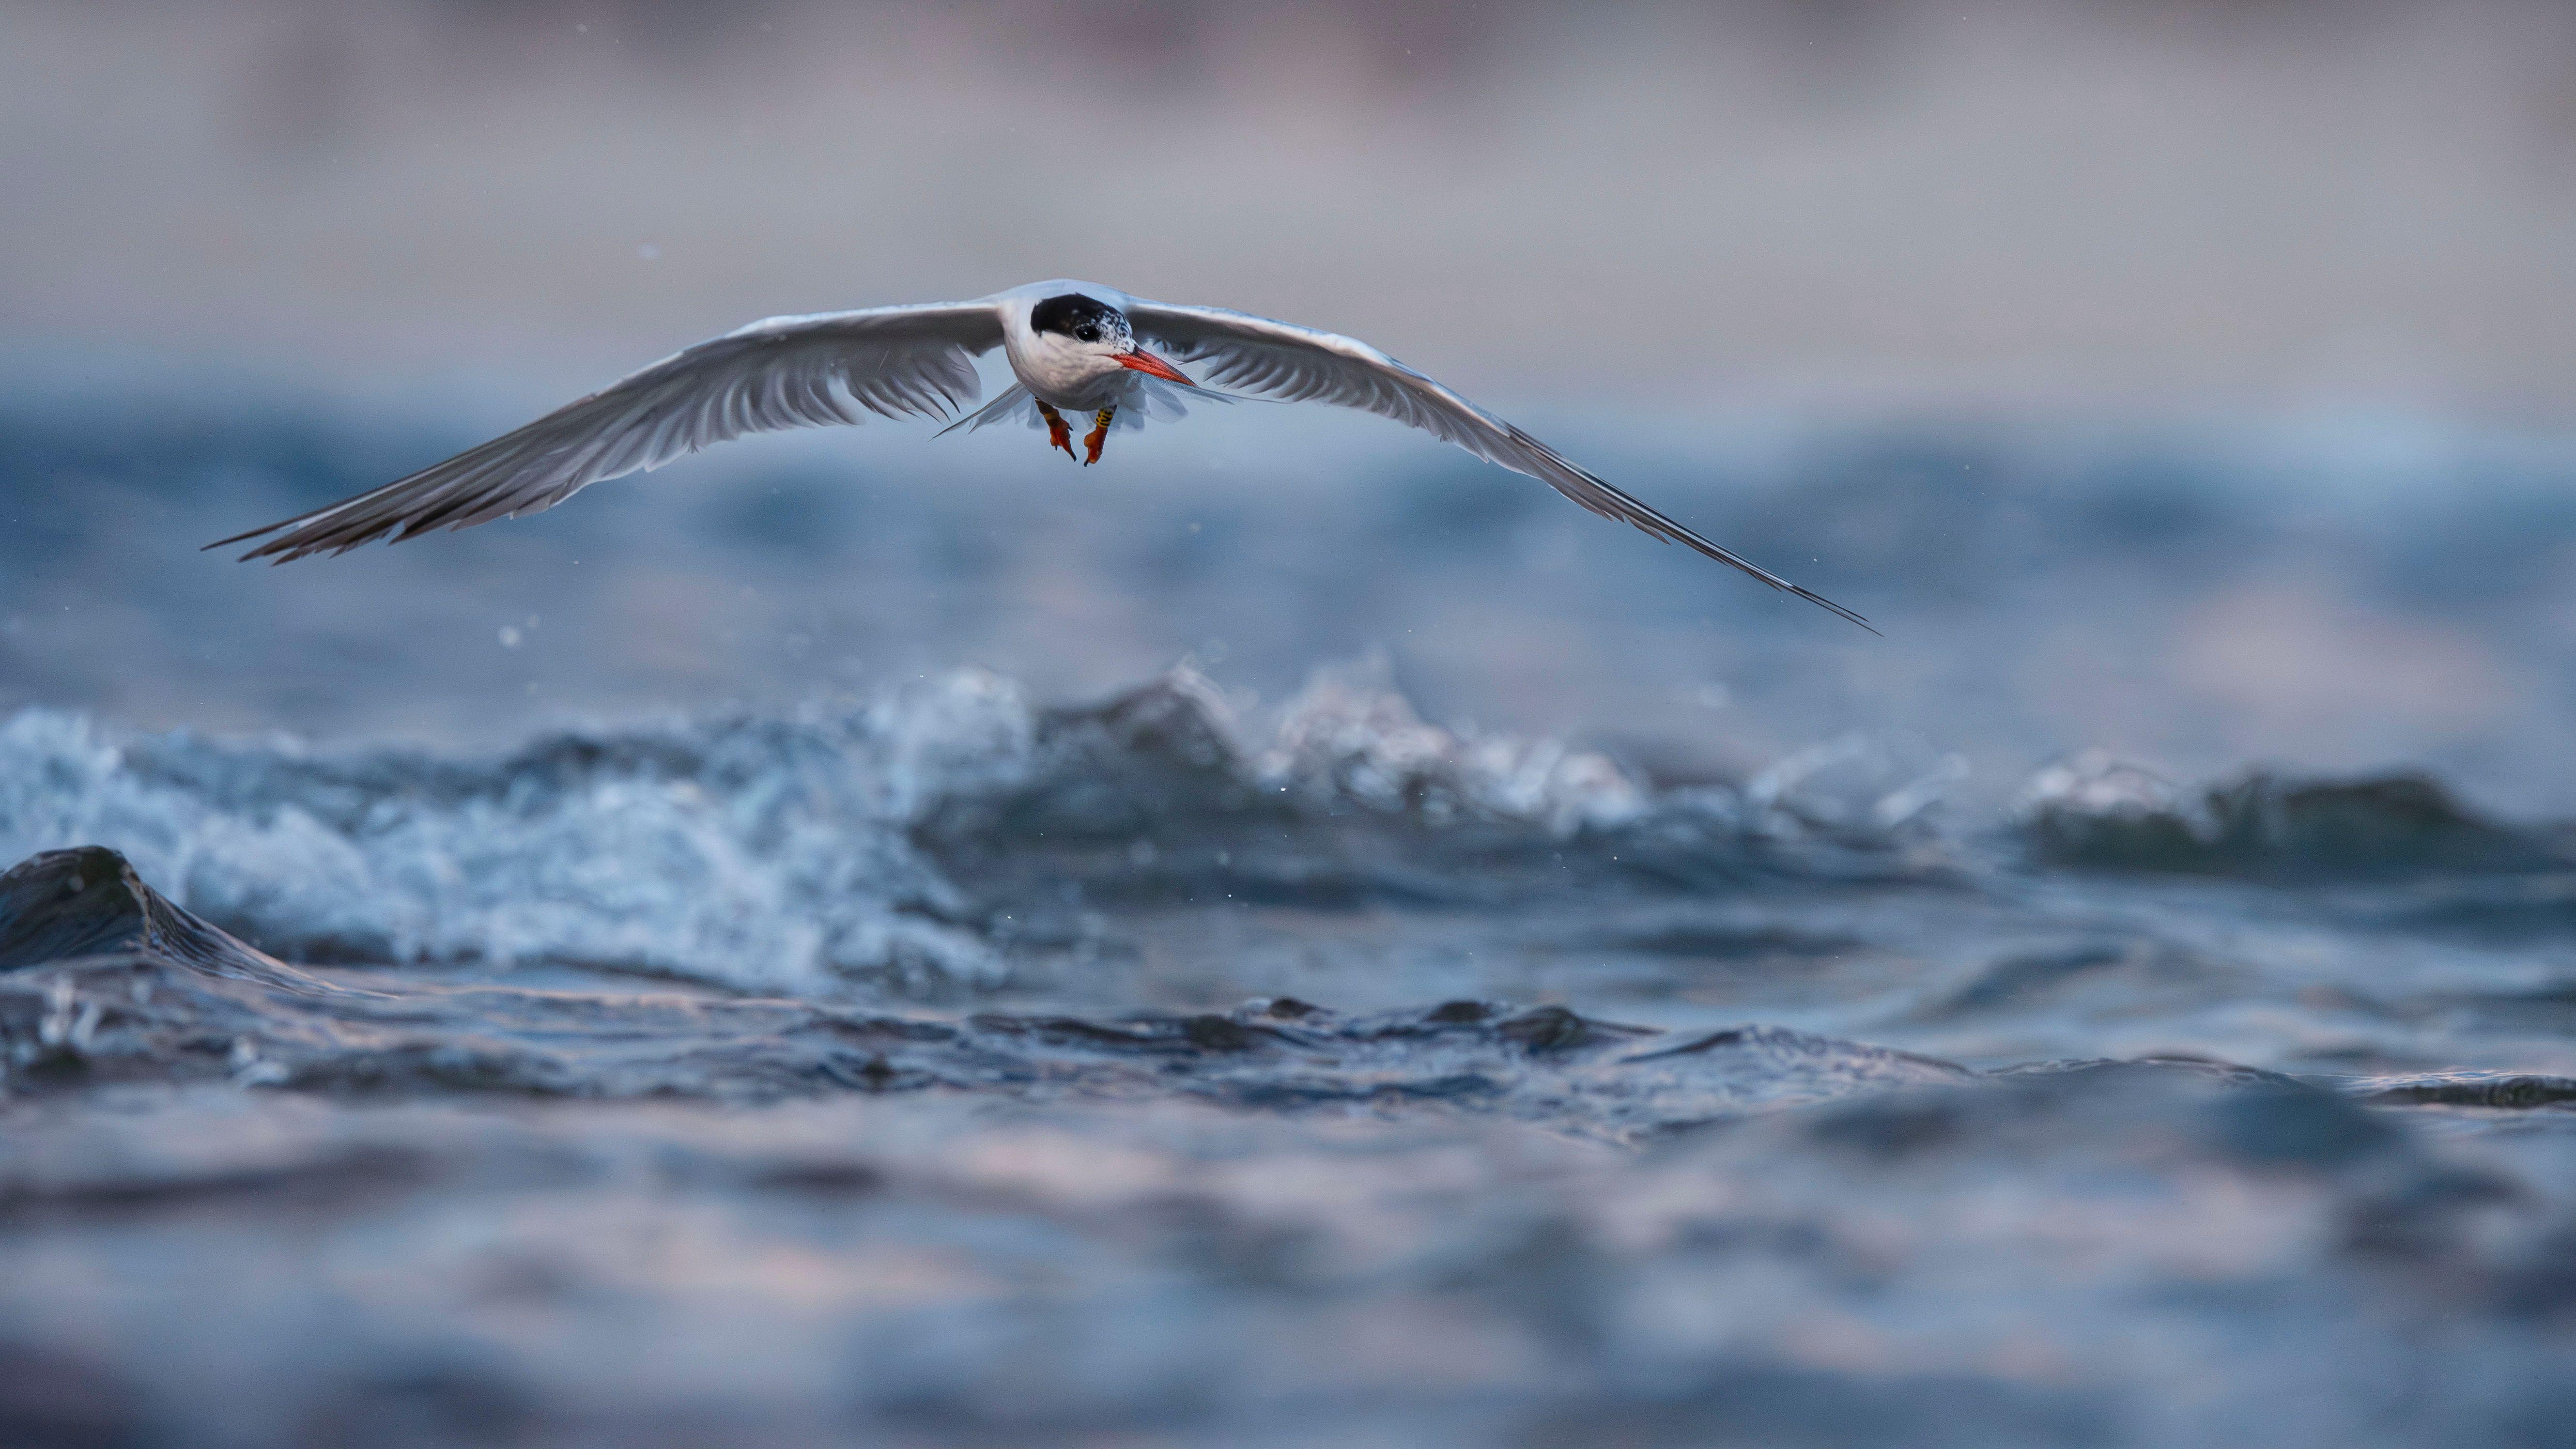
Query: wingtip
column 1837, row 610
column 238, row 538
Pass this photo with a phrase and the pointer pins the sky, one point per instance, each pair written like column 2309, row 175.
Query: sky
column 2250, row 204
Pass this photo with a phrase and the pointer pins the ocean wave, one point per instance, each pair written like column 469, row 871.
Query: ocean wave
column 103, row 978
column 2099, row 812
column 882, row 843
column 763, row 853
column 919, row 842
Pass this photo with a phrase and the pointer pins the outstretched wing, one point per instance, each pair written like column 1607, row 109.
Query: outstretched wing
column 1300, row 364
column 786, row 372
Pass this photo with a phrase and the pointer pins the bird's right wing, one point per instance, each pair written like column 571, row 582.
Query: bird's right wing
column 786, row 372
column 1281, row 360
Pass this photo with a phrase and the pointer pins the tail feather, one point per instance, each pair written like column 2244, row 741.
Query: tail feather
column 999, row 410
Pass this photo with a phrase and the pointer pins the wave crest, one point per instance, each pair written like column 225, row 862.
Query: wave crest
column 2097, row 811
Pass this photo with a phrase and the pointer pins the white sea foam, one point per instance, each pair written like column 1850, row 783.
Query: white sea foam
column 782, row 852
column 765, row 854
column 1350, row 735
column 769, row 853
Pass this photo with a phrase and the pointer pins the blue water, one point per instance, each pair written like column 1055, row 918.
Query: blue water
column 1292, row 943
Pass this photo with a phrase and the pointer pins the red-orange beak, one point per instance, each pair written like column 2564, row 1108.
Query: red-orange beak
column 1152, row 366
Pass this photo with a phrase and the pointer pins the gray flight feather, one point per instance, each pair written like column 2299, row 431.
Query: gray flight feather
column 1300, row 364
column 786, row 372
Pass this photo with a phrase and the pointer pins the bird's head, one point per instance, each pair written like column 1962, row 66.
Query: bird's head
column 1092, row 328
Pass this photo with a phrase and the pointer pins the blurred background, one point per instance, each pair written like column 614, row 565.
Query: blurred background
column 2189, row 378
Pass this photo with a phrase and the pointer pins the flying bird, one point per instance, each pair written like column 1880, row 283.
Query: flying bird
column 1074, row 347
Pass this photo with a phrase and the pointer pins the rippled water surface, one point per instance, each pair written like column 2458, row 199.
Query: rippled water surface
column 935, row 1061
column 957, row 1071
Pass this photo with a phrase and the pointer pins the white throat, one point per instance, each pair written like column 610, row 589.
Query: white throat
column 1065, row 371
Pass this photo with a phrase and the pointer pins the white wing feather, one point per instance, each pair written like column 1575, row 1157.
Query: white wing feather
column 1299, row 364
column 786, row 372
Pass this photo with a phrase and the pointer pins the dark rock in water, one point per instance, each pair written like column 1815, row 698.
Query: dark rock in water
column 63, row 905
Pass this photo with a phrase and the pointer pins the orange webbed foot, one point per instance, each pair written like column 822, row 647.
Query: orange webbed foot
column 1059, row 433
column 1099, row 435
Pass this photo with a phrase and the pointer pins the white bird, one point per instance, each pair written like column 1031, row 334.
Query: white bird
column 1072, row 346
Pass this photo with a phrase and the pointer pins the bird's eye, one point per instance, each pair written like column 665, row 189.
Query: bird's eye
column 1087, row 334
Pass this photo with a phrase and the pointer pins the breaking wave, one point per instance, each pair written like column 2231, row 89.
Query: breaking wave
column 903, row 843
column 828, row 845
column 2101, row 812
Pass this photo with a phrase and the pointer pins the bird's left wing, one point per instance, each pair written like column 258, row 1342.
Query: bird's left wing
column 786, row 372
column 1299, row 364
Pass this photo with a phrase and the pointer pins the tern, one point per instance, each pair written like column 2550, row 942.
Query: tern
column 1073, row 347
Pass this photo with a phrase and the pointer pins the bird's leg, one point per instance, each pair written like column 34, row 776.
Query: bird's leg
column 1098, row 435
column 1059, row 434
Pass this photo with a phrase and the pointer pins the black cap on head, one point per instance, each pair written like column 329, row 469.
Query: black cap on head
column 1073, row 312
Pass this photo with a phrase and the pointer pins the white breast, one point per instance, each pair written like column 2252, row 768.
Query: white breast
column 1062, row 372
